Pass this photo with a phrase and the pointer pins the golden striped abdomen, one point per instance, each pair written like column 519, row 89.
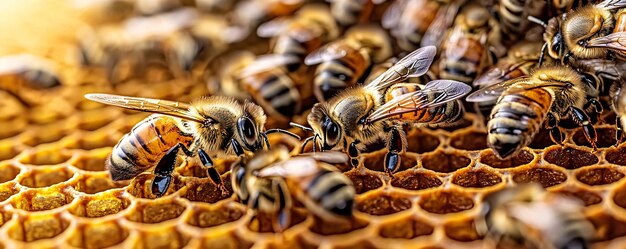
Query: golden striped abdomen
column 144, row 145
column 333, row 76
column 275, row 92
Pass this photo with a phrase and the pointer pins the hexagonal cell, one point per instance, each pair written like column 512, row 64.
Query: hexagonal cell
column 90, row 141
column 544, row 176
column 91, row 161
column 263, row 222
column 616, row 155
column 8, row 149
column 44, row 134
column 364, row 182
column 44, row 176
column 204, row 190
column 210, row 216
column 100, row 205
column 7, row 190
column 96, row 119
column 96, row 183
column 98, row 235
column 8, row 171
column 359, row 244
column 464, row 231
column 569, row 158
column 444, row 162
column 162, row 238
column 36, row 227
column 41, row 199
column 156, row 211
column 232, row 240
column 405, row 229
column 474, row 140
column 541, row 140
column 421, row 142
column 607, row 227
column 383, row 204
column 599, row 176
column 587, row 197
column 376, row 161
column 479, row 178
column 416, row 180
column 521, row 158
column 141, row 186
column 445, row 202
column 47, row 156
column 324, row 227
column 606, row 138
column 12, row 128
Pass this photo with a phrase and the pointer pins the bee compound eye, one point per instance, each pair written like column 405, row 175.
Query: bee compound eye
column 332, row 133
column 247, row 130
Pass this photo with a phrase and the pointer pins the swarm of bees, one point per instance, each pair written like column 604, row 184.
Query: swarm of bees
column 354, row 73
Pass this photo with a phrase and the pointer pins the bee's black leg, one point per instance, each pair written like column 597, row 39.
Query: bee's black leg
column 555, row 133
column 353, row 153
column 582, row 119
column 163, row 171
column 236, row 147
column 620, row 130
column 283, row 205
column 211, row 171
column 395, row 144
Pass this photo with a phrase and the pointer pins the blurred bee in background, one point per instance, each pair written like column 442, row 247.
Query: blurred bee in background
column 591, row 32
column 466, row 48
column 362, row 115
column 526, row 215
column 618, row 105
column 249, row 14
column 345, row 62
column 270, row 181
column 22, row 74
column 105, row 11
column 310, row 28
column 560, row 7
column 351, row 12
column 514, row 15
column 524, row 104
column 215, row 124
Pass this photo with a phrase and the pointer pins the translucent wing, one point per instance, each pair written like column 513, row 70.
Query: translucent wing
column 273, row 27
column 413, row 65
column 612, row 4
column 325, row 53
column 493, row 92
column 392, row 15
column 267, row 62
column 443, row 91
column 499, row 73
column 332, row 157
column 437, row 29
column 171, row 108
column 295, row 167
column 614, row 41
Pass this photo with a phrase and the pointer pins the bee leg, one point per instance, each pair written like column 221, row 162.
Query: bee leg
column 395, row 144
column 353, row 153
column 620, row 131
column 594, row 107
column 236, row 147
column 163, row 171
column 283, row 205
column 582, row 119
column 211, row 171
column 555, row 133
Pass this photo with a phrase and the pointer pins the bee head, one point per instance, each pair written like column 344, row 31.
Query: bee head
column 324, row 127
column 248, row 133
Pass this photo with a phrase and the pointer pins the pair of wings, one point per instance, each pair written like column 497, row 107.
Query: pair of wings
column 517, row 85
column 303, row 165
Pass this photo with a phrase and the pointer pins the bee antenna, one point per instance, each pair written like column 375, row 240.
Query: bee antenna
column 270, row 131
column 266, row 140
column 537, row 21
column 301, row 127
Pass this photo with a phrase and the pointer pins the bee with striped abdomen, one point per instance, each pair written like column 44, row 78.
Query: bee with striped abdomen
column 22, row 74
column 267, row 182
column 344, row 62
column 362, row 115
column 525, row 104
column 618, row 105
column 351, row 12
column 214, row 124
column 514, row 15
column 529, row 216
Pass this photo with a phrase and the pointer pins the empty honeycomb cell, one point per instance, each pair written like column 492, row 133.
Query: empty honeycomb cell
column 342, row 226
column 156, row 211
column 96, row 119
column 412, row 180
column 606, row 138
column 569, row 158
column 98, row 235
column 8, row 171
column 479, row 178
column 100, row 205
column 464, row 231
column 607, row 227
column 421, row 142
column 541, row 140
column 44, row 134
column 521, row 158
column 36, row 227
column 446, row 201
column 364, row 182
column 162, row 238
column 473, row 140
column 364, row 244
column 376, row 161
column 11, row 128
column 383, row 204
column 7, row 190
column 620, row 196
column 8, row 149
column 44, row 176
column 405, row 229
column 263, row 222
column 47, row 156
column 598, row 176
column 203, row 216
column 95, row 183
column 444, row 162
column 90, row 141
column 587, row 197
column 204, row 190
column 91, row 161
column 544, row 176
column 616, row 155
column 41, row 199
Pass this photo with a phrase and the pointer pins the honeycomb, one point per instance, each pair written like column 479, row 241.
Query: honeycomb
column 56, row 193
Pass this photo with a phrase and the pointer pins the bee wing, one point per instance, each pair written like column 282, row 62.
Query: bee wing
column 613, row 41
column 392, row 15
column 273, row 27
column 324, row 53
column 414, row 64
column 332, row 157
column 444, row 90
column 437, row 30
column 493, row 92
column 295, row 167
column 171, row 108
column 612, row 4
column 267, row 62
column 496, row 73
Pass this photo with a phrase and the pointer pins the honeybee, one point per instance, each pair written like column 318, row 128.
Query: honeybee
column 298, row 36
column 590, row 32
column 214, row 124
column 24, row 72
column 514, row 16
column 529, row 216
column 267, row 182
column 618, row 105
column 344, row 62
column 549, row 94
column 559, row 7
column 364, row 114
column 351, row 12
column 247, row 15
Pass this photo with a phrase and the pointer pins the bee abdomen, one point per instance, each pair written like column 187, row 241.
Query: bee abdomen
column 332, row 191
column 332, row 77
column 281, row 94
